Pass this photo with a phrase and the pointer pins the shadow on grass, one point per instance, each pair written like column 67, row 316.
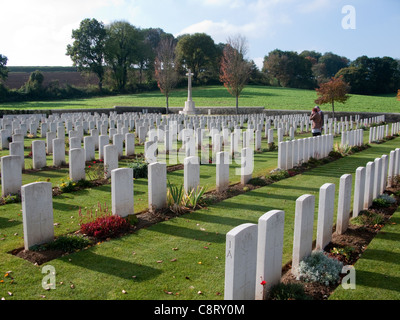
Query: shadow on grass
column 245, row 206
column 189, row 233
column 303, row 189
column 210, row 218
column 112, row 266
column 377, row 280
column 383, row 255
column 7, row 223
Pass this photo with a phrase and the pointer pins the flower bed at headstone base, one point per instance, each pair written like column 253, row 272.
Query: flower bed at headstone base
column 347, row 247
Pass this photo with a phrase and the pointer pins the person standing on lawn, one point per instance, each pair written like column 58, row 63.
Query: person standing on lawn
column 316, row 119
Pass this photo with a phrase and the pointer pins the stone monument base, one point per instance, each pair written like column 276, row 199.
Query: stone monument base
column 189, row 109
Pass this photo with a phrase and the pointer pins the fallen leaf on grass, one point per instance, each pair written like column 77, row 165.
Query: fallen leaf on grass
column 173, row 260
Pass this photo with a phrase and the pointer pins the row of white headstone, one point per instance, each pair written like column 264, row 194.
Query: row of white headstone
column 295, row 152
column 37, row 204
column 254, row 251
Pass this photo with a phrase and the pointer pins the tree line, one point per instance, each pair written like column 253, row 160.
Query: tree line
column 128, row 59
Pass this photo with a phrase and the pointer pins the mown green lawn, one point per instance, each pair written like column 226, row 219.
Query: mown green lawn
column 377, row 272
column 274, row 98
column 182, row 258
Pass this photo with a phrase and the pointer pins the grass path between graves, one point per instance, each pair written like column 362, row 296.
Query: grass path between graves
column 377, row 272
column 182, row 258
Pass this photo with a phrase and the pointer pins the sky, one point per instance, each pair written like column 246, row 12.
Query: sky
column 37, row 32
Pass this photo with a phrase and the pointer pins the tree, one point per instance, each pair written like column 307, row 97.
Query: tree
column 332, row 64
column 372, row 75
column 148, row 50
column 34, row 86
column 198, row 53
column 235, row 70
column 122, row 50
column 334, row 90
column 3, row 68
column 166, row 71
column 289, row 69
column 87, row 50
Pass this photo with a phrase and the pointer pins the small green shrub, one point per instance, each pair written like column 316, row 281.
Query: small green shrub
column 280, row 175
column 383, row 201
column 194, row 198
column 319, row 267
column 10, row 198
column 368, row 218
column 71, row 186
column 179, row 201
column 258, row 182
column 140, row 169
column 67, row 244
column 289, row 291
column 175, row 197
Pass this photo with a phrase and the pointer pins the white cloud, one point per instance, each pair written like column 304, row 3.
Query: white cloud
column 43, row 28
column 219, row 31
column 263, row 18
column 232, row 4
column 313, row 6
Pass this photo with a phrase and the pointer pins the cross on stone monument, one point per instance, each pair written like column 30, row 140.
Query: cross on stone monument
column 189, row 75
column 190, row 108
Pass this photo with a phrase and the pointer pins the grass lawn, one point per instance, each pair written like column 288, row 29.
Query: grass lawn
column 377, row 272
column 182, row 258
column 215, row 96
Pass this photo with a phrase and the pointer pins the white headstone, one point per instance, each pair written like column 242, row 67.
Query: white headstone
column 110, row 159
column 269, row 252
column 77, row 164
column 11, row 175
column 240, row 262
column 38, row 154
column 37, row 213
column 303, row 229
column 344, row 203
column 122, row 192
column 325, row 215
column 58, row 146
column 157, row 185
column 359, row 191
column 191, row 173
column 222, row 171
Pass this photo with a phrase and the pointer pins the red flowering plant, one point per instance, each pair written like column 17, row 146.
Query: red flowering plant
column 95, row 170
column 103, row 224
